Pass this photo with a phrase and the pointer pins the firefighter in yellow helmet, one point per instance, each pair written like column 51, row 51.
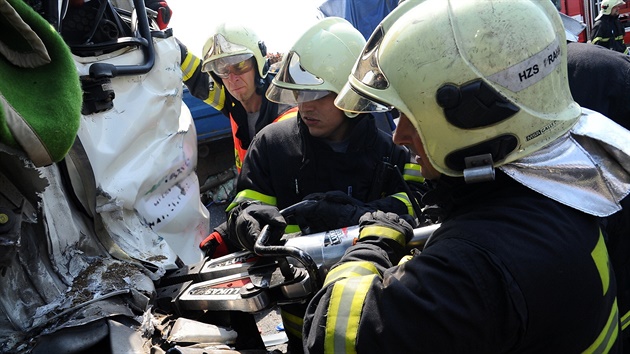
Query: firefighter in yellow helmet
column 608, row 31
column 520, row 173
column 341, row 161
column 233, row 77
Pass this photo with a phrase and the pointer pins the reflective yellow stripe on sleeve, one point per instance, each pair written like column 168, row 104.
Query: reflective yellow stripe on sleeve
column 625, row 321
column 292, row 323
column 608, row 335
column 349, row 270
column 216, row 97
column 600, row 257
column 413, row 173
column 189, row 66
column 403, row 197
column 382, row 231
column 251, row 195
column 344, row 313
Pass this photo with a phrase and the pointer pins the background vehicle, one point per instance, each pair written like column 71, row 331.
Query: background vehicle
column 587, row 10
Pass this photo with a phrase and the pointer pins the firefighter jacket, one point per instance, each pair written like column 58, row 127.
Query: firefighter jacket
column 608, row 32
column 211, row 90
column 598, row 79
column 509, row 270
column 285, row 164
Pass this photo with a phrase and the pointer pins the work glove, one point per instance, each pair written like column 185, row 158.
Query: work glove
column 217, row 244
column 247, row 220
column 388, row 227
column 164, row 12
column 332, row 210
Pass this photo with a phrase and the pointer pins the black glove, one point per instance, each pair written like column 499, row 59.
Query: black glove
column 385, row 226
column 332, row 210
column 247, row 223
column 164, row 12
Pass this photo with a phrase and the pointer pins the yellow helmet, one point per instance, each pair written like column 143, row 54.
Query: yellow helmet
column 318, row 63
column 475, row 77
column 233, row 43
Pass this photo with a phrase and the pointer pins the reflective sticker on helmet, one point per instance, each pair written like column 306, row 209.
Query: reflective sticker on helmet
column 528, row 72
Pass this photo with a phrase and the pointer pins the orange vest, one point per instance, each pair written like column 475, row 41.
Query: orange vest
column 239, row 151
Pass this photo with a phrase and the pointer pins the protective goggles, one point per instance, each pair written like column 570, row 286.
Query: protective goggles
column 235, row 64
column 367, row 72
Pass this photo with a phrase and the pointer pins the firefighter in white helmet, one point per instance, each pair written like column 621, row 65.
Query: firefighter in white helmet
column 233, row 78
column 342, row 161
column 520, row 173
column 608, row 31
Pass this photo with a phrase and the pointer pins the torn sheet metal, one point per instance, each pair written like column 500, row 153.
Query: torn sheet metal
column 143, row 153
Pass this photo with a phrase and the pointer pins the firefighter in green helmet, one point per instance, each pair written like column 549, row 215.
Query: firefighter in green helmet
column 341, row 161
column 520, row 172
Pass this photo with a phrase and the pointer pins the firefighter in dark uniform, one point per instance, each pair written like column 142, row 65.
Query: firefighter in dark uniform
column 598, row 79
column 343, row 161
column 233, row 78
column 521, row 173
column 608, row 31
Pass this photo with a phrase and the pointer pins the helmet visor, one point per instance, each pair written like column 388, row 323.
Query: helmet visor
column 367, row 72
column 221, row 46
column 292, row 72
column 351, row 100
column 235, row 64
column 367, row 69
column 293, row 97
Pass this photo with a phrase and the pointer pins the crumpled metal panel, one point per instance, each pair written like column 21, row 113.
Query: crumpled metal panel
column 587, row 169
column 60, row 276
column 144, row 152
column 67, row 269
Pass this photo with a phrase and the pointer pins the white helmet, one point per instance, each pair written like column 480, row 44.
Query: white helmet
column 233, row 43
column 606, row 7
column 475, row 77
column 318, row 63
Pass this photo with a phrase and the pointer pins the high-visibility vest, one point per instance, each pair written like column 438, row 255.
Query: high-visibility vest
column 239, row 151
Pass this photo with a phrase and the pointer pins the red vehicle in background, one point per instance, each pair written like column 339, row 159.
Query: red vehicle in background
column 587, row 10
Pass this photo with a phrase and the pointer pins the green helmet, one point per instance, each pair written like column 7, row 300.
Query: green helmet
column 318, row 63
column 233, row 43
column 475, row 77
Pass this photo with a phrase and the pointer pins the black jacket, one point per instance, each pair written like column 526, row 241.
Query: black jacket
column 286, row 162
column 508, row 271
column 608, row 32
column 600, row 80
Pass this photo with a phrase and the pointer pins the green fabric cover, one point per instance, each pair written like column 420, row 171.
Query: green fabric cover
column 49, row 97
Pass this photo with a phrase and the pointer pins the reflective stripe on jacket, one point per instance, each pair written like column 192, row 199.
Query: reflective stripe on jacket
column 509, row 270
